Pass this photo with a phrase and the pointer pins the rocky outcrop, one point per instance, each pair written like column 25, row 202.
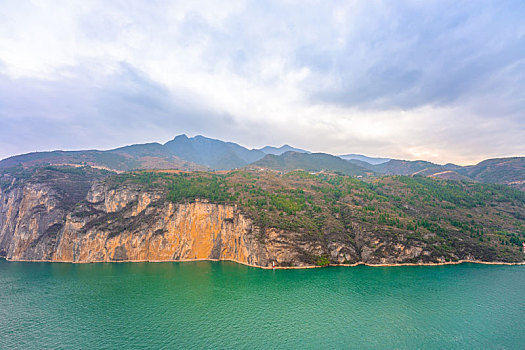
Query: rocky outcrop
column 30, row 221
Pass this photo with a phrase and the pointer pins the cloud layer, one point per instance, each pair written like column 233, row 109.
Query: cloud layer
column 439, row 80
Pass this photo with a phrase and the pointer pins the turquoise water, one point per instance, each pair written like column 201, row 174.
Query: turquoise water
column 226, row 305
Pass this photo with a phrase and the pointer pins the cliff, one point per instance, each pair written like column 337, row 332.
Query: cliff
column 130, row 224
column 82, row 217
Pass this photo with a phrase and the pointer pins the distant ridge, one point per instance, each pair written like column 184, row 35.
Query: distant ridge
column 183, row 153
column 405, row 167
column 369, row 160
column 283, row 149
column 142, row 156
column 508, row 171
column 314, row 162
column 505, row 171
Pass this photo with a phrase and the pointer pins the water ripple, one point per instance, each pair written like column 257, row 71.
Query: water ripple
column 225, row 305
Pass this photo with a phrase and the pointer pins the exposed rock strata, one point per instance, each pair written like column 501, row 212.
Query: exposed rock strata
column 131, row 225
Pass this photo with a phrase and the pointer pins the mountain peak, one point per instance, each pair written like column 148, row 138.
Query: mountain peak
column 180, row 137
column 213, row 153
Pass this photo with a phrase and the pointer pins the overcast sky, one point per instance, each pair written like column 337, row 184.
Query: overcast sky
column 437, row 80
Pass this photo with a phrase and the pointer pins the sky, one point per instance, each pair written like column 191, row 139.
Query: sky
column 440, row 80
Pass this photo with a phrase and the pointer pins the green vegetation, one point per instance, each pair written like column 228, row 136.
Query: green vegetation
column 322, row 261
column 462, row 194
column 212, row 188
column 442, row 213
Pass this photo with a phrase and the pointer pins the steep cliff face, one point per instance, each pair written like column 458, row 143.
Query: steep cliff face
column 129, row 224
column 30, row 219
column 34, row 206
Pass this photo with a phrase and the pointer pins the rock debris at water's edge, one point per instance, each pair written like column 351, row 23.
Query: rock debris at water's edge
column 284, row 267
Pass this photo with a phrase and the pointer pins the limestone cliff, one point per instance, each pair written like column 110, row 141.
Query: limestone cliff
column 129, row 224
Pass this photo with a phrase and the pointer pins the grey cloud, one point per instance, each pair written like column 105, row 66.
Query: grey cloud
column 82, row 112
column 436, row 55
column 395, row 55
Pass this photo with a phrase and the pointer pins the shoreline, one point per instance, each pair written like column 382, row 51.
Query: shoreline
column 281, row 267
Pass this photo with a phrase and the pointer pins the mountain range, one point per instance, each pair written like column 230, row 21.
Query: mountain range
column 202, row 153
column 281, row 207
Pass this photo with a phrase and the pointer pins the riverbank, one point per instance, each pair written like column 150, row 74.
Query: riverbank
column 285, row 267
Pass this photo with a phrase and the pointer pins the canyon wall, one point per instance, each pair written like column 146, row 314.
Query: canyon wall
column 129, row 224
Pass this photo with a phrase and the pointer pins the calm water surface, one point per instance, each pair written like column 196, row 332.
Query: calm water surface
column 226, row 305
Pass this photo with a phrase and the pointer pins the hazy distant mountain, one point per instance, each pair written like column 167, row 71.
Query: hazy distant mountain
column 508, row 171
column 418, row 167
column 215, row 154
column 278, row 151
column 145, row 156
column 370, row 160
column 310, row 162
column 155, row 156
column 404, row 167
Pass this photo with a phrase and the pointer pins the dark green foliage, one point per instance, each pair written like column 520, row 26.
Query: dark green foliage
column 322, row 261
column 212, row 188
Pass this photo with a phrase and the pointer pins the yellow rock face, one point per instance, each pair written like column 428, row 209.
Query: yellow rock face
column 185, row 231
column 129, row 224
